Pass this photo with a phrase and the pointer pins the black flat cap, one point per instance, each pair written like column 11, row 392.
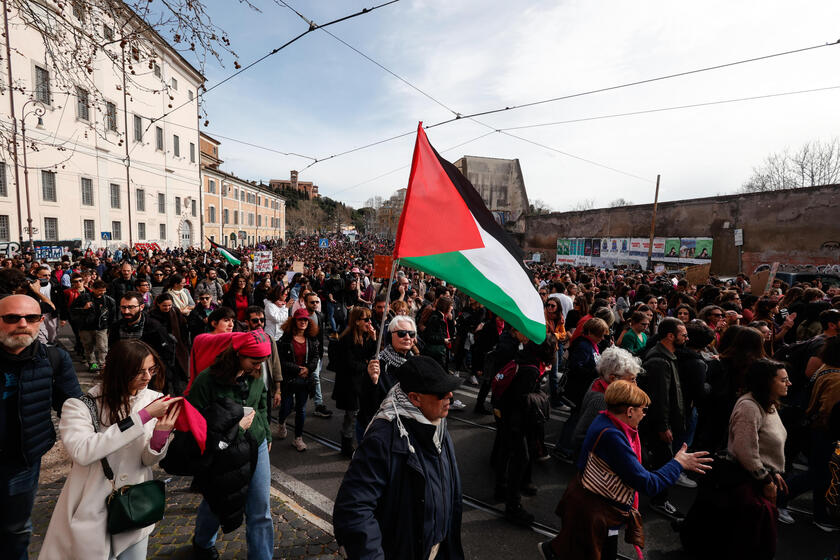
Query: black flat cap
column 422, row 374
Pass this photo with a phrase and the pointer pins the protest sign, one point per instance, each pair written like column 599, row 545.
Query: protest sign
column 382, row 266
column 698, row 274
column 262, row 261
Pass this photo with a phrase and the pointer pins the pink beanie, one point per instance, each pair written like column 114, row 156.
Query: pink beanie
column 253, row 344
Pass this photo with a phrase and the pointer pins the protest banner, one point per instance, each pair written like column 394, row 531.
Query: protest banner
column 262, row 261
column 297, row 266
column 698, row 274
column 382, row 266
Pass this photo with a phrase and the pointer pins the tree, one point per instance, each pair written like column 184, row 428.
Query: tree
column 585, row 204
column 308, row 217
column 618, row 202
column 816, row 163
column 539, row 207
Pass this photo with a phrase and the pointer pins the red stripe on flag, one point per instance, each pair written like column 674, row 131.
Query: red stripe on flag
column 435, row 219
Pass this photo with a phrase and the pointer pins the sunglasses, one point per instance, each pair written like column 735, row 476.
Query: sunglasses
column 402, row 334
column 13, row 318
column 257, row 319
column 366, row 319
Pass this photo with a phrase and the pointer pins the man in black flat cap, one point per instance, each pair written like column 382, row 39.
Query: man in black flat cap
column 401, row 495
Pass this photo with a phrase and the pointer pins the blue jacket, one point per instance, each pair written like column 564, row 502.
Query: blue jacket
column 616, row 451
column 382, row 508
column 42, row 386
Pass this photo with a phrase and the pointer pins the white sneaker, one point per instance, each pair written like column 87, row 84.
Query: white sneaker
column 281, row 431
column 685, row 482
column 299, row 445
column 457, row 405
column 473, row 380
column 785, row 516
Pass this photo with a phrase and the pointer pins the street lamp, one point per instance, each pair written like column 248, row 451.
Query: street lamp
column 38, row 110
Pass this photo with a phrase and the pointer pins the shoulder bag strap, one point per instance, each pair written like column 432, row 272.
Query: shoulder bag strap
column 594, row 445
column 90, row 402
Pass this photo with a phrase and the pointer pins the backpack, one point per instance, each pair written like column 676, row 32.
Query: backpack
column 501, row 381
column 796, row 355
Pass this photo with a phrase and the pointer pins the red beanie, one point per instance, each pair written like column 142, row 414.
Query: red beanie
column 253, row 344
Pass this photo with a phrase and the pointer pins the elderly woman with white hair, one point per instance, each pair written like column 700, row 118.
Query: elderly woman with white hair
column 402, row 336
column 615, row 363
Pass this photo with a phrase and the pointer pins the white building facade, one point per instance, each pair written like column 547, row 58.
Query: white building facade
column 80, row 191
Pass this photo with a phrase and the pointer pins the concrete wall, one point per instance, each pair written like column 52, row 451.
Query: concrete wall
column 798, row 226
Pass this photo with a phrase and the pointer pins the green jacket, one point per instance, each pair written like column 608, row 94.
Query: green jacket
column 206, row 389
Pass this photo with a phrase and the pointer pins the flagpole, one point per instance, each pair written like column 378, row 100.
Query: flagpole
column 387, row 305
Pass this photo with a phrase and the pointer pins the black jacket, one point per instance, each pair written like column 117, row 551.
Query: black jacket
column 662, row 382
column 224, row 474
column 99, row 316
column 290, row 369
column 393, row 495
column 46, row 379
column 154, row 334
column 197, row 322
column 350, row 368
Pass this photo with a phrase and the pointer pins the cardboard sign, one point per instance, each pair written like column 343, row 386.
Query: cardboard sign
column 758, row 282
column 698, row 274
column 262, row 261
column 147, row 246
column 297, row 266
column 382, row 266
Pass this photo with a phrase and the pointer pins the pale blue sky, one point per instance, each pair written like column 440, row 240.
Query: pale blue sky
column 317, row 97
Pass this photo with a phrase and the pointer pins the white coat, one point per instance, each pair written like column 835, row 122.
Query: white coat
column 78, row 527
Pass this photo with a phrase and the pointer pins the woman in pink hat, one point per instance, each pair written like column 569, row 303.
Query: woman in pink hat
column 299, row 355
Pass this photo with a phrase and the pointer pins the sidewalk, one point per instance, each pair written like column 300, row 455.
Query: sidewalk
column 294, row 536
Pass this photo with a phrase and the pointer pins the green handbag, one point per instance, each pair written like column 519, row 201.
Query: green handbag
column 132, row 506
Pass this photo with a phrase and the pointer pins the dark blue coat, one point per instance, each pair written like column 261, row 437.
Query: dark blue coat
column 380, row 508
column 41, row 388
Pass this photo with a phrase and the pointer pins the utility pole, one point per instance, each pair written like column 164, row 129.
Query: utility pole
column 14, row 121
column 653, row 225
column 127, row 151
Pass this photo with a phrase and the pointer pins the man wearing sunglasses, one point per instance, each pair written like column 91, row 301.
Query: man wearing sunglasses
column 270, row 369
column 35, row 378
column 376, row 513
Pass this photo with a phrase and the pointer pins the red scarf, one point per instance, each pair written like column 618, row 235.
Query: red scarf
column 636, row 444
column 600, row 385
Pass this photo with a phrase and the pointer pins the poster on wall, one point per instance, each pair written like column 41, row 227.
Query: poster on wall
column 658, row 248
column 703, row 248
column 587, row 247
column 605, row 247
column 672, row 247
column 563, row 247
column 596, row 248
column 687, row 247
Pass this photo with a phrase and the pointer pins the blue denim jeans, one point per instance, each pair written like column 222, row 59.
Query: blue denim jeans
column 316, row 375
column 294, row 398
column 18, row 486
column 331, row 315
column 259, row 527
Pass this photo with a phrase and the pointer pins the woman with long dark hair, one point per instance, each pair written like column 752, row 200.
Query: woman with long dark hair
column 239, row 296
column 353, row 349
column 165, row 313
column 231, row 392
column 135, row 423
column 181, row 297
column 299, row 355
column 434, row 326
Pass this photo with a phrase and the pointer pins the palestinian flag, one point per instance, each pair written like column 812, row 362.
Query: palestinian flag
column 446, row 230
column 229, row 257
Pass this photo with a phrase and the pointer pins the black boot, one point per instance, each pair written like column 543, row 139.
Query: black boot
column 483, row 391
column 347, row 447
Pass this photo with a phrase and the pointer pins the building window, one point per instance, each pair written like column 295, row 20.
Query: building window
column 48, row 186
column 236, row 194
column 190, row 94
column 116, row 230
column 177, row 205
column 211, row 214
column 259, row 220
column 82, row 107
column 162, row 232
column 159, row 138
column 89, row 229
column 138, row 128
column 225, row 216
column 174, row 84
column 157, row 70
column 4, row 228
column 250, row 219
column 42, row 85
column 161, row 203
column 140, row 195
column 4, row 189
column 87, row 192
column 176, row 145
column 50, row 229
column 115, row 196
column 194, row 208
column 192, row 152
column 235, row 217
column 211, row 186
column 110, row 116
column 224, row 189
column 107, row 32
column 141, row 230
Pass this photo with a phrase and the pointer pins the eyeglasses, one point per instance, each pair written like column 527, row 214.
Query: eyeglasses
column 128, row 307
column 13, row 318
column 551, row 306
column 366, row 319
column 204, row 298
column 152, row 371
column 717, row 314
column 258, row 319
column 402, row 334
column 79, row 281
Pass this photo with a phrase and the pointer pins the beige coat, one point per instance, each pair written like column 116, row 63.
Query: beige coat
column 77, row 528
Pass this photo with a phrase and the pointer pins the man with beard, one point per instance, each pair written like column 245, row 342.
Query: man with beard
column 665, row 423
column 313, row 304
column 34, row 379
column 125, row 282
column 213, row 286
column 136, row 324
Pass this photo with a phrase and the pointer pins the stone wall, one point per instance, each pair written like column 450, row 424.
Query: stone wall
column 797, row 226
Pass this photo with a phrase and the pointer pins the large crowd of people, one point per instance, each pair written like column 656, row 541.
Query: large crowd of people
column 721, row 385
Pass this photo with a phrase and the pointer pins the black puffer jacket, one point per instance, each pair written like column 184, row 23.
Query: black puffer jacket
column 288, row 365
column 228, row 463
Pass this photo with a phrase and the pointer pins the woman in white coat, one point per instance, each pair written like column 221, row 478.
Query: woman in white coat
column 134, row 435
